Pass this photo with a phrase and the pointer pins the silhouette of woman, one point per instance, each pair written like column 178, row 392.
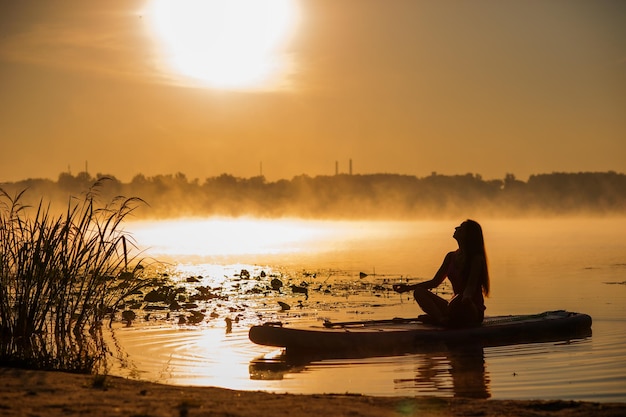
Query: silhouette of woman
column 466, row 268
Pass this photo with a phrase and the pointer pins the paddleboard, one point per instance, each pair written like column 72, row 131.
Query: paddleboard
column 405, row 334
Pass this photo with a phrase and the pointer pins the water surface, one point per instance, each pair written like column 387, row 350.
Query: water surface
column 536, row 265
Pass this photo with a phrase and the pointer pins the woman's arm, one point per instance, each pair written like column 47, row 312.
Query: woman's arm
column 441, row 274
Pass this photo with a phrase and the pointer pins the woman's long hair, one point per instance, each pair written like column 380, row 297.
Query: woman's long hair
column 473, row 244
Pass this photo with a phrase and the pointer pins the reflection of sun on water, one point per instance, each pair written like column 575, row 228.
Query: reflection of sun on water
column 228, row 44
column 376, row 243
column 218, row 237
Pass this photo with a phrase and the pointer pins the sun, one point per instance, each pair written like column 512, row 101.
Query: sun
column 226, row 44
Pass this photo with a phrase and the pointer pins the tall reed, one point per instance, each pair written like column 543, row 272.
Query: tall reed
column 60, row 276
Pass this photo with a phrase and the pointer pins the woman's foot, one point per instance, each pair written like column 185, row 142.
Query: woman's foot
column 428, row 319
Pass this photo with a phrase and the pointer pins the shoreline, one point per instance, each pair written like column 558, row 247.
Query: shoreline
column 53, row 393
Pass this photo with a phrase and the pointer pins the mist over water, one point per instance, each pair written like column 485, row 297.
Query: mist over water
column 536, row 265
column 296, row 242
column 347, row 197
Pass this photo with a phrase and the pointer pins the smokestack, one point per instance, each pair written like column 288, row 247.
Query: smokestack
column 350, row 166
column 336, row 167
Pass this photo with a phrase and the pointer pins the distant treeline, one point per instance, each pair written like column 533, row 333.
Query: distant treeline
column 347, row 196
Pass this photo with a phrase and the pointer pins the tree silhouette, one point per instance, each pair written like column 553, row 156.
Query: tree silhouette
column 381, row 195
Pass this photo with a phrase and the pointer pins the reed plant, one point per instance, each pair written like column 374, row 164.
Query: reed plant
column 61, row 275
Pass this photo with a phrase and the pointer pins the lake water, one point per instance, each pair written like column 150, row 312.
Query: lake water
column 536, row 265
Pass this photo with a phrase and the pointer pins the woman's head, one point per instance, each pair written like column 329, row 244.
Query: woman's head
column 469, row 234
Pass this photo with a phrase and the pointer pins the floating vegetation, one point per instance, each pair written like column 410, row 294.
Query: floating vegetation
column 209, row 295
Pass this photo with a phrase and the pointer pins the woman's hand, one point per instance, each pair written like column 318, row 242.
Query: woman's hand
column 401, row 288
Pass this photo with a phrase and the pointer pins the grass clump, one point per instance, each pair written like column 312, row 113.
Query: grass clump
column 60, row 276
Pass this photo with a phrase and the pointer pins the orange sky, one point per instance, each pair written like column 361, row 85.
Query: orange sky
column 402, row 86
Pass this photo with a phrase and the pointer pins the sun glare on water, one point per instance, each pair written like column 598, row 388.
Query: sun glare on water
column 226, row 44
column 224, row 237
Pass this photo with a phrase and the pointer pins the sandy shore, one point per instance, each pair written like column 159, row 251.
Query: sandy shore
column 37, row 393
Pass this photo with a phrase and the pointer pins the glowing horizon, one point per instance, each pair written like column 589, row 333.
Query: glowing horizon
column 224, row 236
